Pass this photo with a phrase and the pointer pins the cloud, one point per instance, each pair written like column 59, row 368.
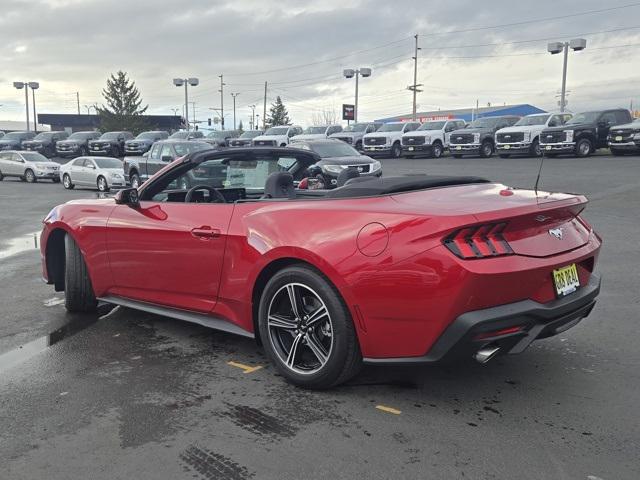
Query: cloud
column 301, row 49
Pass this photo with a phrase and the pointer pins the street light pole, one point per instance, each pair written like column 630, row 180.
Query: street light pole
column 222, row 84
column 20, row 86
column 34, row 86
column 179, row 82
column 253, row 117
column 350, row 73
column 576, row 45
column 234, row 95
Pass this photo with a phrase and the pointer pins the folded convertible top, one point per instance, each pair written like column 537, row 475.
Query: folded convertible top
column 368, row 187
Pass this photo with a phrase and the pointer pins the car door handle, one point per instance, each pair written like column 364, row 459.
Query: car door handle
column 205, row 233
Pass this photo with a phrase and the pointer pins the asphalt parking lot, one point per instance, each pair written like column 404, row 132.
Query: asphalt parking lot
column 133, row 395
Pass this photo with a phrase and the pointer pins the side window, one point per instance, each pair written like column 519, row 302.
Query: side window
column 555, row 121
column 566, row 118
column 370, row 129
column 16, row 158
column 78, row 162
column 622, row 117
column 155, row 151
column 166, row 152
column 609, row 118
column 89, row 163
column 5, row 156
column 451, row 126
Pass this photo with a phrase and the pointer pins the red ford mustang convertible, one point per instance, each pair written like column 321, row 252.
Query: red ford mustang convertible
column 416, row 269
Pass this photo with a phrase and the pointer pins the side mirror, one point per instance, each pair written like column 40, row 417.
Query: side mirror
column 146, row 154
column 167, row 158
column 128, row 196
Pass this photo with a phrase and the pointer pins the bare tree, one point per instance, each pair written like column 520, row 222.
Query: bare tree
column 324, row 117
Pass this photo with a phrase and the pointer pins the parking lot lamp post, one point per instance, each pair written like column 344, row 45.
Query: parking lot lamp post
column 34, row 86
column 253, row 117
column 234, row 95
column 20, row 86
column 179, row 82
column 350, row 73
column 576, row 45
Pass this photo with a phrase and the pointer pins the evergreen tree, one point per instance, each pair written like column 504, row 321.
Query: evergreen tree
column 123, row 109
column 240, row 126
column 278, row 114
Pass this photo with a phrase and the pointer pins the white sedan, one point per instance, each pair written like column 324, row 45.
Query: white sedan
column 102, row 173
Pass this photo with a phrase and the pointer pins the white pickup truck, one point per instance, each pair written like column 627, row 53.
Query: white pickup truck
column 387, row 140
column 277, row 136
column 431, row 138
column 524, row 136
column 317, row 133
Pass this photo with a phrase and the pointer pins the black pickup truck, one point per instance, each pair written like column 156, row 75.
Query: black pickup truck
column 478, row 138
column 45, row 143
column 110, row 143
column 583, row 134
column 138, row 169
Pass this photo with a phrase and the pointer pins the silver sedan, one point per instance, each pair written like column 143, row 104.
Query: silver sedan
column 102, row 173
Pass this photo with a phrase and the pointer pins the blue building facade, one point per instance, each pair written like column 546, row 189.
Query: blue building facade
column 468, row 114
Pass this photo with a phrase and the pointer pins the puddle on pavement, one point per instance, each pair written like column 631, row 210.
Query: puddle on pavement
column 28, row 350
column 21, row 244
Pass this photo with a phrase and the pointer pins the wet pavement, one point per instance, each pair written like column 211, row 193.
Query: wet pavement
column 124, row 394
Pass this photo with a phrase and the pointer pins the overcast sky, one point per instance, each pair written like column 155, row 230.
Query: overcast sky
column 301, row 48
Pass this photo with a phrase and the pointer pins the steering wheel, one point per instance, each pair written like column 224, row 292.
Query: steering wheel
column 212, row 193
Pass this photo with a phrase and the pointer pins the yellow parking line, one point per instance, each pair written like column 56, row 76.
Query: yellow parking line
column 388, row 409
column 246, row 368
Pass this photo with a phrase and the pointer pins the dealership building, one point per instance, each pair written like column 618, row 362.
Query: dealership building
column 71, row 122
column 468, row 114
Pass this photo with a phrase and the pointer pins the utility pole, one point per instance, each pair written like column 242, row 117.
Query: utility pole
column 221, row 101
column 78, row 101
column 234, row 95
column 414, row 87
column 35, row 120
column 253, row 117
column 264, row 108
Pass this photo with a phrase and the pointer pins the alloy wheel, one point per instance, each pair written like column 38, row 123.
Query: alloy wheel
column 584, row 148
column 437, row 150
column 102, row 184
column 300, row 328
column 66, row 181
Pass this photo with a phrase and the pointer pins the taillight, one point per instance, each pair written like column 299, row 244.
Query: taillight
column 479, row 241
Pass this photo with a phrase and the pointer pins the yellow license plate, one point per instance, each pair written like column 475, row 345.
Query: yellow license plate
column 458, row 147
column 411, row 149
column 506, row 147
column 548, row 147
column 566, row 280
column 618, row 138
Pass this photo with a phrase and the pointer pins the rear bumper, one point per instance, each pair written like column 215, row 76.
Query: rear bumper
column 536, row 320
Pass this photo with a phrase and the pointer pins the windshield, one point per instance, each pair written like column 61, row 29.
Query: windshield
column 486, row 122
column 34, row 157
column 391, row 127
column 585, row 117
column 180, row 135
column 251, row 134
column 337, row 149
column 108, row 162
column 532, row 120
column 216, row 134
column 14, row 136
column 356, row 127
column 277, row 131
column 43, row 136
column 148, row 136
column 80, row 135
column 188, row 147
column 432, row 126
column 110, row 136
column 315, row 130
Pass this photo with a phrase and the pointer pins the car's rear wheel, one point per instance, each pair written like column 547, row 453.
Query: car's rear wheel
column 29, row 176
column 307, row 330
column 437, row 150
column 78, row 291
column 103, row 186
column 66, row 182
column 135, row 180
column 584, row 147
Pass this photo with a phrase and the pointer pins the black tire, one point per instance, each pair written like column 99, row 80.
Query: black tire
column 504, row 155
column 437, row 150
column 134, row 179
column 617, row 153
column 78, row 292
column 486, row 149
column 29, row 176
column 396, row 150
column 455, row 155
column 343, row 359
column 583, row 148
column 102, row 184
column 534, row 149
column 66, row 182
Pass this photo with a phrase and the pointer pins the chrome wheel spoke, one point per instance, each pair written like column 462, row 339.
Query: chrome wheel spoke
column 291, row 357
column 278, row 321
column 317, row 348
column 316, row 316
column 293, row 299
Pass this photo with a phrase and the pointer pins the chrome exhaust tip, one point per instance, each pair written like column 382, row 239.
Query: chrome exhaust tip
column 486, row 353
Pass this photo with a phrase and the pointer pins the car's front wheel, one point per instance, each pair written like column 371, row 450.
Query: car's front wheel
column 66, row 182
column 135, row 180
column 103, row 186
column 396, row 150
column 486, row 149
column 78, row 291
column 437, row 150
column 584, row 147
column 307, row 330
column 30, row 177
